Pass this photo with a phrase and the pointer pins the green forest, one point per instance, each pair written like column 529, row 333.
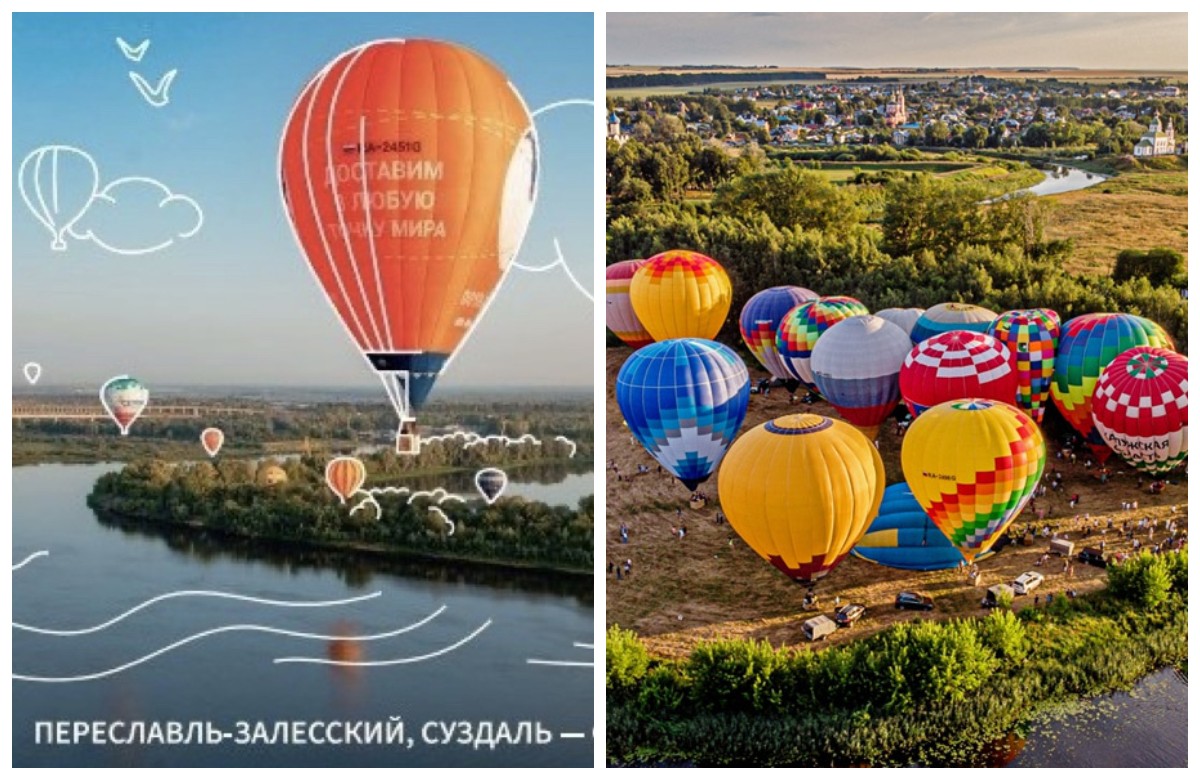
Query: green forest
column 234, row 497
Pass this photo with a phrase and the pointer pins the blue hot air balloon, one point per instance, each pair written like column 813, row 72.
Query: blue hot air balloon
column 903, row 537
column 760, row 321
column 684, row 400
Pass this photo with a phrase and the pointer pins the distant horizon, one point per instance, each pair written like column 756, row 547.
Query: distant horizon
column 896, row 68
column 874, row 40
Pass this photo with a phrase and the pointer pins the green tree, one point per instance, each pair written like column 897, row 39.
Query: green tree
column 790, row 196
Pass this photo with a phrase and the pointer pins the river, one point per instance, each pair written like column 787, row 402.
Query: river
column 96, row 571
column 1062, row 179
column 1146, row 727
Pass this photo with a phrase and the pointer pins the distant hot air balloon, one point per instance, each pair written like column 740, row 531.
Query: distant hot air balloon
column 801, row 491
column 491, row 484
column 618, row 310
column 760, row 322
column 957, row 364
column 124, row 398
column 856, row 366
column 1086, row 346
column 972, row 464
column 903, row 537
column 1140, row 408
column 345, row 476
column 680, row 294
column 906, row 319
column 212, row 439
column 1031, row 336
column 409, row 173
column 58, row 184
column 952, row 316
column 684, row 400
column 802, row 326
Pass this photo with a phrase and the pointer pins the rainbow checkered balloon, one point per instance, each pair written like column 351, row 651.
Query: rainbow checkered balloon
column 972, row 465
column 1087, row 345
column 1031, row 336
column 803, row 325
column 1140, row 408
column 760, row 321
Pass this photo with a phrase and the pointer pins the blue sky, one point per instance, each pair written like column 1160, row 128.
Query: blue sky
column 236, row 304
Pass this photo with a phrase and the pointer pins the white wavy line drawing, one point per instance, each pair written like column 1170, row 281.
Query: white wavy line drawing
column 215, row 594
column 560, row 261
column 546, row 662
column 446, row 520
column 393, row 661
column 225, row 630
column 133, row 53
column 563, row 103
column 412, row 495
column 565, row 440
column 30, row 559
column 168, row 197
column 157, row 96
column 543, row 662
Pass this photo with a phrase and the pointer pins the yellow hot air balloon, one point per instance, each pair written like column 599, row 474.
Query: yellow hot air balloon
column 680, row 294
column 972, row 464
column 801, row 491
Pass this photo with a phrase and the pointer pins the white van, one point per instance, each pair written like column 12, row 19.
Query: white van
column 818, row 628
column 1025, row 584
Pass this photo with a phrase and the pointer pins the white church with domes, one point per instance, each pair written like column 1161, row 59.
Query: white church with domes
column 1156, row 142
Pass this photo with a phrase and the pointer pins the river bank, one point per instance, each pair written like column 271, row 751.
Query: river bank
column 924, row 693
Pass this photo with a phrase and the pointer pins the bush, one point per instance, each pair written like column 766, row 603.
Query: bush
column 1144, row 580
column 626, row 661
column 1160, row 266
column 1004, row 634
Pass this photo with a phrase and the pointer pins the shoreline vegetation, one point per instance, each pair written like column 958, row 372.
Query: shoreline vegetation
column 919, row 693
column 233, row 498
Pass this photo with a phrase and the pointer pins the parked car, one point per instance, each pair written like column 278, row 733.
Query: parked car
column 991, row 599
column 1025, row 584
column 848, row 613
column 907, row 599
column 1092, row 556
column 818, row 628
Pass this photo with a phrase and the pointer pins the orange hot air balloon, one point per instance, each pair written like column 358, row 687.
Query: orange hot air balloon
column 212, row 439
column 409, row 173
column 345, row 476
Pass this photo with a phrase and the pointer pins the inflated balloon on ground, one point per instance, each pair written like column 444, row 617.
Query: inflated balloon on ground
column 684, row 400
column 957, row 364
column 856, row 366
column 681, row 294
column 618, row 309
column 1140, row 408
column 1031, row 336
column 802, row 326
column 972, row 465
column 902, row 536
column 801, row 491
column 951, row 316
column 760, row 322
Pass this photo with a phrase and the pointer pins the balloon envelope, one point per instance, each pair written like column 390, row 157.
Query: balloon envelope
column 972, row 465
column 684, row 400
column 951, row 316
column 1140, row 408
column 802, row 326
column 1087, row 345
column 957, row 364
column 345, row 476
column 681, row 294
column 618, row 309
column 124, row 398
column 212, row 439
column 760, row 320
column 856, row 366
column 1031, row 336
column 902, row 536
column 409, row 170
column 491, row 483
column 801, row 491
column 906, row 319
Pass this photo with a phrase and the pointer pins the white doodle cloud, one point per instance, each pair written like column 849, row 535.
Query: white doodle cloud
column 136, row 215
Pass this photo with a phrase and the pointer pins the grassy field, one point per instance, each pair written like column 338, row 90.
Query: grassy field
column 712, row 585
column 1135, row 210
